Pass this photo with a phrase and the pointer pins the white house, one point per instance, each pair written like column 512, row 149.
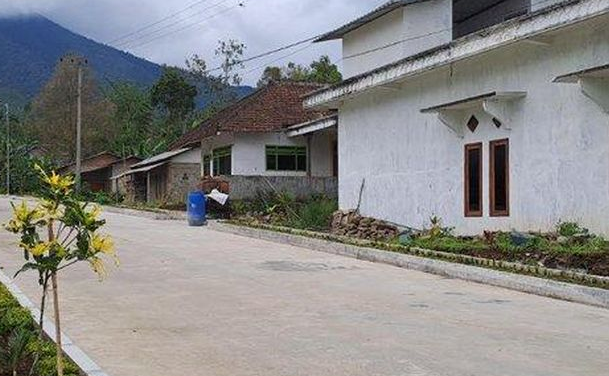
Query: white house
column 268, row 142
column 493, row 115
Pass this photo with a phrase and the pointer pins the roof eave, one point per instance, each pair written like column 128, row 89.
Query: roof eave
column 365, row 19
column 498, row 36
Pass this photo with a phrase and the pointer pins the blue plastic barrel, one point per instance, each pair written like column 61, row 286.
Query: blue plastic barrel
column 196, row 209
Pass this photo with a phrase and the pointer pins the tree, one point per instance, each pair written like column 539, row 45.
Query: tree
column 173, row 94
column 324, row 72
column 321, row 71
column 217, row 88
column 73, row 236
column 133, row 120
column 52, row 120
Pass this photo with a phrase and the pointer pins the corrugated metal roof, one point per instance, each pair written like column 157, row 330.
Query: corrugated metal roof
column 143, row 169
column 369, row 17
column 161, row 157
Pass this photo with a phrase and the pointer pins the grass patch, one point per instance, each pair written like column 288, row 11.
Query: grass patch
column 19, row 343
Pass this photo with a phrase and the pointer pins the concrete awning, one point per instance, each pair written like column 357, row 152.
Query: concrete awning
column 496, row 104
column 601, row 72
column 312, row 126
column 142, row 169
column 594, row 83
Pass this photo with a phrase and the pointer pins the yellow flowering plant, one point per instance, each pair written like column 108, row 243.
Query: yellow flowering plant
column 73, row 234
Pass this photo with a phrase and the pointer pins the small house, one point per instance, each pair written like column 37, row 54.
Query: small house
column 96, row 171
column 166, row 178
column 268, row 141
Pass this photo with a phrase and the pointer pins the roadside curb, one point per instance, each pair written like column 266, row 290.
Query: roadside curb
column 161, row 215
column 532, row 285
column 75, row 353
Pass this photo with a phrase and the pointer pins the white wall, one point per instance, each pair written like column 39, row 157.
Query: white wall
column 249, row 154
column 191, row 156
column 559, row 141
column 410, row 24
column 539, row 4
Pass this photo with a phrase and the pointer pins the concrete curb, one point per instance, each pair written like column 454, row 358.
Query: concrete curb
column 532, row 285
column 161, row 215
column 82, row 360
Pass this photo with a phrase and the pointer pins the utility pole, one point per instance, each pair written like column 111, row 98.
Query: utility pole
column 78, row 127
column 80, row 63
column 8, row 149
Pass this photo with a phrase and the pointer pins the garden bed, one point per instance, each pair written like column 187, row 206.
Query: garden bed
column 20, row 345
column 460, row 250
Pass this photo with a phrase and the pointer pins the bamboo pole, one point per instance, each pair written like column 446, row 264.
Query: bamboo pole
column 56, row 311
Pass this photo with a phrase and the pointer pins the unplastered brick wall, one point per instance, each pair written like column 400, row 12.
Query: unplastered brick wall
column 182, row 179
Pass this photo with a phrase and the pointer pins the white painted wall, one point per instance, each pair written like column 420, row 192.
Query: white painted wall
column 559, row 141
column 249, row 158
column 539, row 4
column 191, row 156
column 421, row 26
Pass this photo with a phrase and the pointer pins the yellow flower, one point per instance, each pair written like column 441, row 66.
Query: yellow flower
column 50, row 209
column 98, row 267
column 104, row 244
column 56, row 182
column 38, row 249
column 95, row 212
column 23, row 216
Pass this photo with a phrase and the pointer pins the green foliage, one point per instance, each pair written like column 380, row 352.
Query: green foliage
column 321, row 71
column 15, row 318
column 283, row 209
column 133, row 120
column 173, row 94
column 217, row 87
column 324, row 72
column 47, row 361
column 315, row 214
column 570, row 229
column 16, row 349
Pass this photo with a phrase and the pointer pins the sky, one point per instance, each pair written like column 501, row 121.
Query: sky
column 195, row 26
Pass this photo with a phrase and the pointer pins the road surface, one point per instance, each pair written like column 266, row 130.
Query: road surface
column 191, row 301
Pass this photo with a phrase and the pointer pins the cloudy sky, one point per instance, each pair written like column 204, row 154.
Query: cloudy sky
column 186, row 27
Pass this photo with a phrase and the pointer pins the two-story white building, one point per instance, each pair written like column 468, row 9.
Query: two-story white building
column 493, row 115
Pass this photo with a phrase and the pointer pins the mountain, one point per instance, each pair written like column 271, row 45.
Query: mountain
column 31, row 46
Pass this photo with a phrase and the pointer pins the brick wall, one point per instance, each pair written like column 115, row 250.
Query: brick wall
column 246, row 187
column 182, row 178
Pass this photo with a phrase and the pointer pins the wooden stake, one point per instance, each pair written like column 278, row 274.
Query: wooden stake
column 56, row 311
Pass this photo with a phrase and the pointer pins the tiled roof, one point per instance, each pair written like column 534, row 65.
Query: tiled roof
column 271, row 108
column 93, row 163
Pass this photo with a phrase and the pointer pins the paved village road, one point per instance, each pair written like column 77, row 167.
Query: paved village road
column 191, row 301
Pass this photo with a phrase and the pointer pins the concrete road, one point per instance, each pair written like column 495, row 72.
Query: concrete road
column 191, row 301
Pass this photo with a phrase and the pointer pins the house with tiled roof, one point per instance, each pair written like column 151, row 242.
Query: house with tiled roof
column 267, row 141
column 490, row 114
column 97, row 171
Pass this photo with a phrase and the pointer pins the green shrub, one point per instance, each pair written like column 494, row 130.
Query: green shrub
column 14, row 318
column 315, row 215
column 46, row 365
column 570, row 229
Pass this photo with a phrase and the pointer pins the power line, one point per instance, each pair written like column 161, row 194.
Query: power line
column 148, row 26
column 362, row 53
column 267, row 53
column 152, row 33
column 226, row 10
